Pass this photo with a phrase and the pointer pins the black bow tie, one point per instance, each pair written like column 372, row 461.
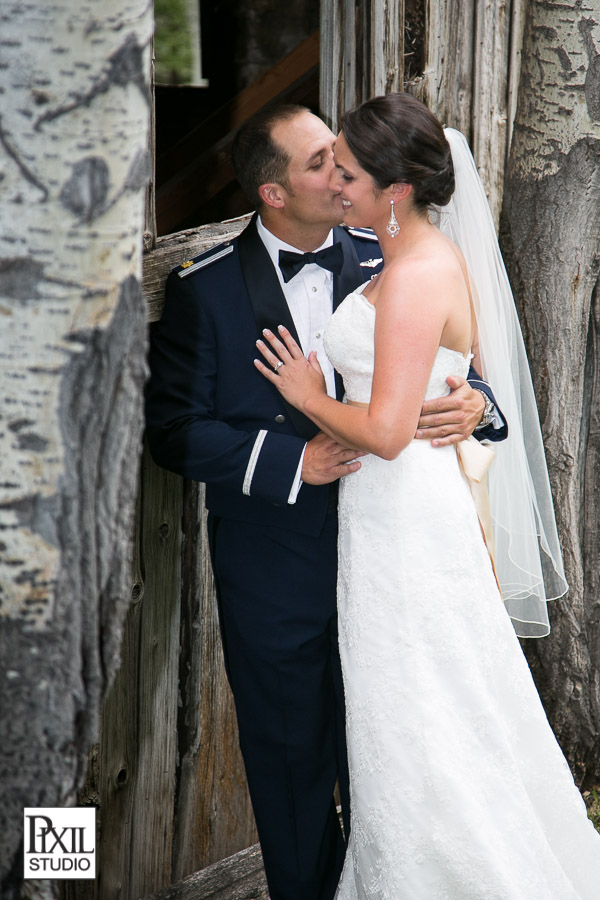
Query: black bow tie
column 331, row 258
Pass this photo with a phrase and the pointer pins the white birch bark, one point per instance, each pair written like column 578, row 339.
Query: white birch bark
column 550, row 227
column 74, row 116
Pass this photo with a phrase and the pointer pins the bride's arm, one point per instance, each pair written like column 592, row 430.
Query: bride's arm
column 411, row 314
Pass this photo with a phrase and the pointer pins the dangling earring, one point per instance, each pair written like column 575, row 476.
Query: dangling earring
column 392, row 227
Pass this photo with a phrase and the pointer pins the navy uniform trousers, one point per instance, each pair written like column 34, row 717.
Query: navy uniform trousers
column 212, row 417
column 279, row 627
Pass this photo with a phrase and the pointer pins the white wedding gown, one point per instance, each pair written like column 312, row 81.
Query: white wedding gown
column 459, row 790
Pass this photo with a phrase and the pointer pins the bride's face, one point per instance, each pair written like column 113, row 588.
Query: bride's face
column 364, row 204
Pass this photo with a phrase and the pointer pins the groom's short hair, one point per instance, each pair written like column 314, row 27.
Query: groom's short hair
column 257, row 159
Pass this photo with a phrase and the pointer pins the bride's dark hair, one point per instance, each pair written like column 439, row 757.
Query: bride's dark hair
column 396, row 138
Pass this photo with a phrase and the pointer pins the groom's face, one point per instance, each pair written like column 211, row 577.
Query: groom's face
column 308, row 197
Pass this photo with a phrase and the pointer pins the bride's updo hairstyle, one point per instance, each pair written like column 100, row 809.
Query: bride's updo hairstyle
column 397, row 139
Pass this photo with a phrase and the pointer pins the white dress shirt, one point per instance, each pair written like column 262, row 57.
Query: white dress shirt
column 309, row 296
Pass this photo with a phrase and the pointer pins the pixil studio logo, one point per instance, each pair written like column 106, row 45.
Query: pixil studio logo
column 59, row 843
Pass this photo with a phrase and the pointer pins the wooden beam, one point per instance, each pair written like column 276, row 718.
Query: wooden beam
column 173, row 249
column 239, row 877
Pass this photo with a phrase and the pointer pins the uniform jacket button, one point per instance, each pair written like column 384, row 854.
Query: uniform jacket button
column 280, row 419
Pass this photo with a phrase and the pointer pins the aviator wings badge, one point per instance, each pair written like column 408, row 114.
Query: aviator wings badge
column 371, row 263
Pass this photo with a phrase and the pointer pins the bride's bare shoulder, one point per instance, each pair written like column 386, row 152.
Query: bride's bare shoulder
column 437, row 264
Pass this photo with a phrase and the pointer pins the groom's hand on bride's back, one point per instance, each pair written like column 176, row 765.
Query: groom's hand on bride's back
column 448, row 420
column 325, row 460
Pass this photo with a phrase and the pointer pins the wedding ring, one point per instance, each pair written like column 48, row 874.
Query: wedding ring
column 277, row 365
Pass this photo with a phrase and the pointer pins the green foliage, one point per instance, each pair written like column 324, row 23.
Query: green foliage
column 172, row 43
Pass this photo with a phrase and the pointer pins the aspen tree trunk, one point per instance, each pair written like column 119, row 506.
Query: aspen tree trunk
column 73, row 155
column 550, row 228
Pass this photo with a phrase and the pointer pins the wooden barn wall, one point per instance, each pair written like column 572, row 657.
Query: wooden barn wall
column 470, row 72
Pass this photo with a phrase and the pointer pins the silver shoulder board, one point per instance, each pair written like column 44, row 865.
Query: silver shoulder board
column 357, row 232
column 183, row 273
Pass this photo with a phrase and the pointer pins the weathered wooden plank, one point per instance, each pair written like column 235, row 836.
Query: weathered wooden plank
column 239, row 877
column 448, row 75
column 517, row 28
column 153, row 806
column 470, row 77
column 88, row 795
column 117, row 766
column 173, row 249
column 362, row 53
column 149, row 236
column 387, row 46
column 468, row 44
column 490, row 96
column 334, row 76
column 214, row 815
column 134, row 772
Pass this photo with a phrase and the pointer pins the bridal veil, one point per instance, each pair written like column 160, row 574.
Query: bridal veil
column 528, row 557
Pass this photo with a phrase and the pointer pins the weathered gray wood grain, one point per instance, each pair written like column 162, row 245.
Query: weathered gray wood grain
column 362, row 53
column 239, row 877
column 214, row 816
column 471, row 71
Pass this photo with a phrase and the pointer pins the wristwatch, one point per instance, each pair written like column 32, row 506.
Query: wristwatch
column 488, row 410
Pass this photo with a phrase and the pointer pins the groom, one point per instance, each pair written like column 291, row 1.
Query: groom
column 271, row 479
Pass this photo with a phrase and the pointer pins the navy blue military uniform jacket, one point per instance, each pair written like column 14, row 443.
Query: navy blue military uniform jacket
column 211, row 416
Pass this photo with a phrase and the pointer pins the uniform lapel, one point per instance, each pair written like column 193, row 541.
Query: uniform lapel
column 347, row 281
column 351, row 275
column 268, row 303
column 267, row 299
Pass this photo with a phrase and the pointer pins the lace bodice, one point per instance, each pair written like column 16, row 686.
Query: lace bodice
column 349, row 345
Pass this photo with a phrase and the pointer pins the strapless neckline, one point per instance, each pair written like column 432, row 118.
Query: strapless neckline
column 359, row 293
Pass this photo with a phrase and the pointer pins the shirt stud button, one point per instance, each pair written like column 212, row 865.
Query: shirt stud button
column 280, row 419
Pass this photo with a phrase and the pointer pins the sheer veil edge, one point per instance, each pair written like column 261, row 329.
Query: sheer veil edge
column 527, row 550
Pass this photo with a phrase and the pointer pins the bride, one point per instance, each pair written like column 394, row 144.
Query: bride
column 459, row 790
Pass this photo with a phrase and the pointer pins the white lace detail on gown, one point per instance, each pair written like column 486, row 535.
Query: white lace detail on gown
column 459, row 789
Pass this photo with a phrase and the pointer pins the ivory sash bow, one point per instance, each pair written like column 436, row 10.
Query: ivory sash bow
column 475, row 459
